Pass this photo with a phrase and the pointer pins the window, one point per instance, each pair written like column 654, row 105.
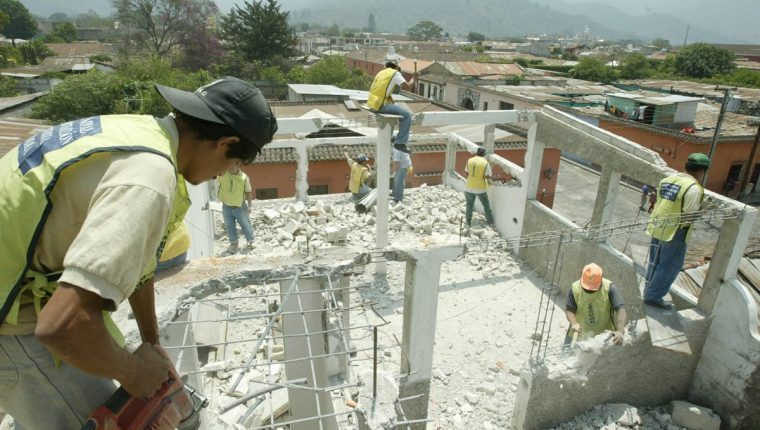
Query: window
column 485, row 105
column 315, row 190
column 266, row 193
column 733, row 177
column 506, row 106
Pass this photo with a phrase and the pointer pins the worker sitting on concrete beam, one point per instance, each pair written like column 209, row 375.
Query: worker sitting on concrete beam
column 380, row 100
column 361, row 175
column 84, row 210
column 594, row 305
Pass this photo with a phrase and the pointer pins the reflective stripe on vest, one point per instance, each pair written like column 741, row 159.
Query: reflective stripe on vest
column 29, row 172
column 378, row 91
column 357, row 174
column 476, row 173
column 670, row 193
column 232, row 189
column 594, row 312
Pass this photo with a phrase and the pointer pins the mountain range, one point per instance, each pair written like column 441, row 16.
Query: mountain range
column 723, row 21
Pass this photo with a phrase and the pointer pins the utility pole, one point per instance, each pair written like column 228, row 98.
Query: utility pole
column 748, row 169
column 686, row 37
column 726, row 98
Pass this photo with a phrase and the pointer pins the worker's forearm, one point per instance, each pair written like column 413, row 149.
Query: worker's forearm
column 71, row 326
column 143, row 302
column 620, row 319
column 571, row 318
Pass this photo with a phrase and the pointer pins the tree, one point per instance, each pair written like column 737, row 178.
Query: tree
column 333, row 31
column 425, row 30
column 592, row 69
column 258, row 31
column 661, row 43
column 371, row 24
column 66, row 31
column 20, row 25
column 164, row 24
column 634, row 66
column 8, row 87
column 475, row 37
column 59, row 17
column 700, row 60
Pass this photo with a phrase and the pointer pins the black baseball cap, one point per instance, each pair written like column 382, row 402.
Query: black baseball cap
column 230, row 101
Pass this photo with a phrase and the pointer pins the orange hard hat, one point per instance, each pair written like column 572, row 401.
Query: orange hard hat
column 591, row 279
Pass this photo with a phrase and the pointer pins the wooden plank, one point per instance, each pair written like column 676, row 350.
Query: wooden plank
column 666, row 330
column 750, row 272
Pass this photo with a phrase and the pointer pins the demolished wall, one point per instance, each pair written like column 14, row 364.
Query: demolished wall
column 728, row 376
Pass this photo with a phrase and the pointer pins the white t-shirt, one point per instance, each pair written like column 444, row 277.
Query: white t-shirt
column 396, row 81
column 402, row 158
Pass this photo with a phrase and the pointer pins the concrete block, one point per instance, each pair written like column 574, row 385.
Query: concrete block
column 335, row 234
column 321, row 220
column 694, row 417
column 283, row 236
column 298, row 207
column 292, row 226
column 313, row 211
column 271, row 214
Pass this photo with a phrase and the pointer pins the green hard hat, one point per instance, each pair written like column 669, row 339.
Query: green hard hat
column 698, row 160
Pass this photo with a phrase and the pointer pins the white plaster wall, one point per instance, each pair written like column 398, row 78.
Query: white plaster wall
column 730, row 358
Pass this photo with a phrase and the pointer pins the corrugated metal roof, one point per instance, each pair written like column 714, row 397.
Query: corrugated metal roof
column 472, row 68
column 10, row 102
column 80, row 48
column 13, row 131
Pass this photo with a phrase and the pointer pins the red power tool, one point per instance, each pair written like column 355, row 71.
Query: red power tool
column 174, row 406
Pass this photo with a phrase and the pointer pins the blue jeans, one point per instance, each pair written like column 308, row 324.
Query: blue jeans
column 404, row 124
column 469, row 199
column 172, row 262
column 665, row 261
column 239, row 214
column 398, row 184
column 42, row 394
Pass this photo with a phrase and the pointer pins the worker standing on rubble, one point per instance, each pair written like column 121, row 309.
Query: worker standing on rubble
column 478, row 172
column 235, row 193
column 380, row 100
column 594, row 305
column 361, row 174
column 680, row 193
column 401, row 165
column 85, row 207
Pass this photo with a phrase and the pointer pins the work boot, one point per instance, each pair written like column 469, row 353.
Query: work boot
column 659, row 304
column 401, row 147
column 232, row 249
column 249, row 246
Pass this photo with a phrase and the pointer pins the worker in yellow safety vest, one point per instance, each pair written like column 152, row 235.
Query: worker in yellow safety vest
column 678, row 194
column 235, row 193
column 85, row 207
column 361, row 174
column 478, row 172
column 380, row 100
column 594, row 305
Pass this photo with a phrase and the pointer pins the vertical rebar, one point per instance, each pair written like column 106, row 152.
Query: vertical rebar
column 374, row 363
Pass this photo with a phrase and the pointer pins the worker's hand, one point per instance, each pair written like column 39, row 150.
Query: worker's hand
column 151, row 370
column 617, row 337
column 576, row 327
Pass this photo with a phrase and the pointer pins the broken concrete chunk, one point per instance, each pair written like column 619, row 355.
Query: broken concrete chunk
column 694, row 417
column 283, row 236
column 298, row 207
column 271, row 214
column 292, row 226
column 623, row 414
column 214, row 366
column 335, row 234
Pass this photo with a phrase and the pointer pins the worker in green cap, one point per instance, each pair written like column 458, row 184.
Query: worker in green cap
column 680, row 193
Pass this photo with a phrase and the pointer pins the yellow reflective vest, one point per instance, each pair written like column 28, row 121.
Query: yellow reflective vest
column 178, row 237
column 663, row 223
column 594, row 312
column 379, row 89
column 358, row 174
column 28, row 174
column 476, row 173
column 232, row 189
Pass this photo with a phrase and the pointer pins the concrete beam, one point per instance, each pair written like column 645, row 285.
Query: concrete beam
column 298, row 125
column 729, row 250
column 534, row 158
column 472, row 117
column 609, row 182
column 489, row 134
column 302, row 174
column 423, row 269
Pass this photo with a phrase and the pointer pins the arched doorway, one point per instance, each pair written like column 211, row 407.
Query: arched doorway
column 467, row 104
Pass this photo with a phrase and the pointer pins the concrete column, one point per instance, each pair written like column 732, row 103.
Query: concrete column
column 383, row 166
column 451, row 160
column 728, row 253
column 534, row 157
column 299, row 342
column 606, row 194
column 489, row 133
column 302, row 171
column 423, row 270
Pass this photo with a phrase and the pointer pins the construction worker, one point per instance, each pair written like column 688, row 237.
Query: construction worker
column 594, row 305
column 680, row 193
column 478, row 171
column 235, row 193
column 85, row 207
column 401, row 166
column 386, row 82
column 361, row 174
